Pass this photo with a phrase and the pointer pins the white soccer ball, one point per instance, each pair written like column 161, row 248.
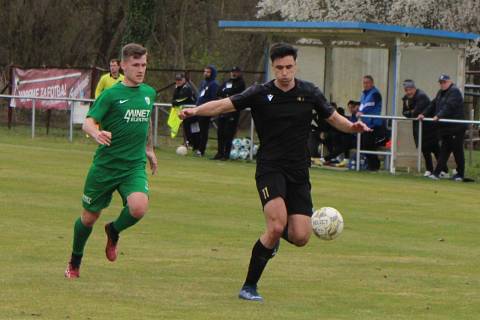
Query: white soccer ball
column 255, row 149
column 234, row 154
column 327, row 223
column 182, row 151
column 243, row 154
column 237, row 143
column 246, row 143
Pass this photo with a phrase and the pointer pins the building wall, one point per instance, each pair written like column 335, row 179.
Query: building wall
column 424, row 66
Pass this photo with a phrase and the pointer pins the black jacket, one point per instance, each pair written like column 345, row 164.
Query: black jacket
column 183, row 95
column 415, row 106
column 229, row 88
column 448, row 104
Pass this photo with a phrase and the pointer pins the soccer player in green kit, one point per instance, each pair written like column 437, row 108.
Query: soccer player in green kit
column 125, row 143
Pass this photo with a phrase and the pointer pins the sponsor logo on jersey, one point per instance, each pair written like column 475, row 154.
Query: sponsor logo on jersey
column 86, row 199
column 270, row 97
column 300, row 99
column 136, row 115
column 122, row 101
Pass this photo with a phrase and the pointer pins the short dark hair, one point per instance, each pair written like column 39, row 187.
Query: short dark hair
column 369, row 77
column 133, row 50
column 117, row 61
column 353, row 102
column 282, row 49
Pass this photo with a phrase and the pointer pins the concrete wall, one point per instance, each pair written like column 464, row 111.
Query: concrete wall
column 348, row 67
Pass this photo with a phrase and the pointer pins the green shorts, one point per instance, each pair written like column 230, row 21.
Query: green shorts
column 102, row 182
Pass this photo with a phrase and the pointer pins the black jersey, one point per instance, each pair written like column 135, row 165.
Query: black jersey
column 283, row 120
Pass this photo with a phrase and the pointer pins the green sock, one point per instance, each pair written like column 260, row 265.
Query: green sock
column 80, row 236
column 125, row 220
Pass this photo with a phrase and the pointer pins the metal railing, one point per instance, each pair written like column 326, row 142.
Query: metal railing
column 158, row 106
column 394, row 136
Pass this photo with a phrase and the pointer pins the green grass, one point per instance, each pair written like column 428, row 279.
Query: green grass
column 187, row 259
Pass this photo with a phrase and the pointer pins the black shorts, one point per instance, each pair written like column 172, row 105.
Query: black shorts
column 292, row 185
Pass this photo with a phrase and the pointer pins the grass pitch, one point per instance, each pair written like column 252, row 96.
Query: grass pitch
column 410, row 247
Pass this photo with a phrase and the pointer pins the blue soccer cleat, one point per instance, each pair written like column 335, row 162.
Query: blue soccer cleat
column 250, row 293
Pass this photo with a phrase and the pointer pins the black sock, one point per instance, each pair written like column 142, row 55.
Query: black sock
column 76, row 260
column 258, row 261
column 285, row 235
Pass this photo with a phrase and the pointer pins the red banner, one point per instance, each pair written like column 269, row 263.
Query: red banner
column 54, row 83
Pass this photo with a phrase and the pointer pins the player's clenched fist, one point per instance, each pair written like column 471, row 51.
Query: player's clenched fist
column 187, row 113
column 104, row 138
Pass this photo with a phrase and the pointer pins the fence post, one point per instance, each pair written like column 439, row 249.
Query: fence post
column 470, row 146
column 359, row 139
column 420, row 138
column 33, row 118
column 70, row 133
column 393, row 149
column 155, row 128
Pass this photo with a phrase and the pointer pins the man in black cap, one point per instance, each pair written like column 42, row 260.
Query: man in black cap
column 228, row 122
column 448, row 104
column 415, row 102
column 182, row 95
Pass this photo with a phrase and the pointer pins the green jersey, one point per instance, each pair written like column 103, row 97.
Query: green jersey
column 125, row 112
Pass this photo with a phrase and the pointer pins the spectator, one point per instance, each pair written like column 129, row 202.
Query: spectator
column 371, row 104
column 228, row 122
column 353, row 107
column 207, row 92
column 340, row 143
column 184, row 95
column 109, row 79
column 448, row 104
column 416, row 102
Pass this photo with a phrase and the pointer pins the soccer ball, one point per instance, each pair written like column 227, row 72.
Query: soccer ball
column 182, row 151
column 327, row 223
column 243, row 154
column 246, row 143
column 234, row 154
column 237, row 143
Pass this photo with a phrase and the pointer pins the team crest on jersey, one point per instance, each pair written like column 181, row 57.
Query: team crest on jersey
column 270, row 97
column 147, row 100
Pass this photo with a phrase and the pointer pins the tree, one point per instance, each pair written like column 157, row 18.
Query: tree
column 139, row 21
column 461, row 15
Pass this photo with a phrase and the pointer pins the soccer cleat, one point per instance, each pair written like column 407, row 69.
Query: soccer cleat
column 444, row 175
column 433, row 177
column 249, row 293
column 457, row 178
column 427, row 173
column 112, row 240
column 71, row 272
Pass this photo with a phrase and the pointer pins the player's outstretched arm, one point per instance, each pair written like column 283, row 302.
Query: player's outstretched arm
column 91, row 128
column 152, row 158
column 343, row 124
column 209, row 109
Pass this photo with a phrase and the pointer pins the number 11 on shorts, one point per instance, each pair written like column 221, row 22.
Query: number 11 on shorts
column 265, row 193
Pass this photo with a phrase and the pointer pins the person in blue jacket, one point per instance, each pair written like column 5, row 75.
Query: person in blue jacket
column 371, row 104
column 207, row 92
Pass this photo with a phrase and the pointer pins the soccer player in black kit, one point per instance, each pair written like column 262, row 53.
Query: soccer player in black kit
column 282, row 112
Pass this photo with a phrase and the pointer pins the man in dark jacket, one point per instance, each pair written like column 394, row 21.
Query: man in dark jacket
column 448, row 104
column 416, row 102
column 228, row 122
column 207, row 92
column 184, row 95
